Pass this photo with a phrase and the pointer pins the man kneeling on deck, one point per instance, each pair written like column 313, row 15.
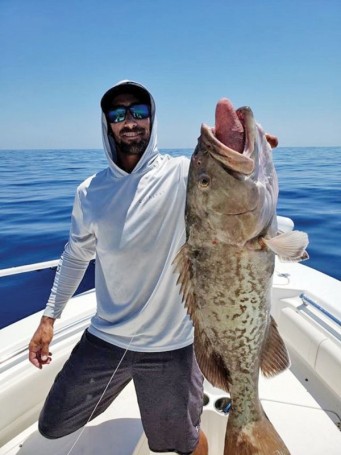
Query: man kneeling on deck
column 130, row 217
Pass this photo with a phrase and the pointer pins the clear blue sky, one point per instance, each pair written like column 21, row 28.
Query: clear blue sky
column 281, row 57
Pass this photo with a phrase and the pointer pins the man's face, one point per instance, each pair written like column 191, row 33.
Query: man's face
column 131, row 135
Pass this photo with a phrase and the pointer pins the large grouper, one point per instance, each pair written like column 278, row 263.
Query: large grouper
column 226, row 267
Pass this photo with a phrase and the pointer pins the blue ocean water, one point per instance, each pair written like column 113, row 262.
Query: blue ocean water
column 37, row 188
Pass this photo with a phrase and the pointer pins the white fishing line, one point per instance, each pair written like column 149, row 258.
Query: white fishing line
column 101, row 397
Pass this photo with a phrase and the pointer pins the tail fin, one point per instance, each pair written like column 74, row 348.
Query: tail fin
column 256, row 438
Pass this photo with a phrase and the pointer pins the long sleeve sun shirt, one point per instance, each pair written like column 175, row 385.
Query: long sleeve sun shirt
column 133, row 225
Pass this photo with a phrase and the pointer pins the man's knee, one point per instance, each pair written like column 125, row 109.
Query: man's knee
column 53, row 429
column 49, row 432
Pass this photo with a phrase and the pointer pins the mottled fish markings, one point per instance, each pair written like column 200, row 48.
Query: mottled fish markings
column 226, row 266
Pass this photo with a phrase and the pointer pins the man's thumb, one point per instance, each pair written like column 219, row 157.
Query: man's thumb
column 45, row 352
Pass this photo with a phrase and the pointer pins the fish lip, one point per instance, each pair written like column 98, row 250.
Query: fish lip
column 246, row 117
column 233, row 160
column 242, row 213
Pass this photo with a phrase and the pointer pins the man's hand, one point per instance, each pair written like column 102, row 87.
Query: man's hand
column 273, row 141
column 39, row 353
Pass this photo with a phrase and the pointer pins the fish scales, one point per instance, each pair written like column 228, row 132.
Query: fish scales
column 226, row 268
column 235, row 319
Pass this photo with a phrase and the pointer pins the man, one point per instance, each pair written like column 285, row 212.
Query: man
column 131, row 218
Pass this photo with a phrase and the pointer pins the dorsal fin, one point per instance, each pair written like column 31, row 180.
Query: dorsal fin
column 183, row 268
column 210, row 362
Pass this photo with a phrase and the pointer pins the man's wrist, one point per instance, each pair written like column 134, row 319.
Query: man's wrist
column 47, row 320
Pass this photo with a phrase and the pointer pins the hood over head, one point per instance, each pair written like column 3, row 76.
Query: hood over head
column 151, row 151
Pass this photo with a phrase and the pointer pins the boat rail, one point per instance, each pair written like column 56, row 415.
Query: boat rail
column 29, row 268
column 309, row 301
column 59, row 331
column 285, row 224
column 73, row 326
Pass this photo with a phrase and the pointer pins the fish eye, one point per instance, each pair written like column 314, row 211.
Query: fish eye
column 204, row 181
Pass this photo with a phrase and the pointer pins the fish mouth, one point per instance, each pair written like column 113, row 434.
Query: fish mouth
column 234, row 160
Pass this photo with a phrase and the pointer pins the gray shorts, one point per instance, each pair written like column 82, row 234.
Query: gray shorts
column 171, row 422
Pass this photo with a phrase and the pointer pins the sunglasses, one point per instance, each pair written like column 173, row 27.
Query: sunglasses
column 137, row 111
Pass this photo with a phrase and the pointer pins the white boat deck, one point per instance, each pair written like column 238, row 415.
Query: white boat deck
column 303, row 403
column 302, row 424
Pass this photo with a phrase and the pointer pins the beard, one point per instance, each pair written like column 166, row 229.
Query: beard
column 133, row 148
column 136, row 147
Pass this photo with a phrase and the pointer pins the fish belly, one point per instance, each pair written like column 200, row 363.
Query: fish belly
column 233, row 310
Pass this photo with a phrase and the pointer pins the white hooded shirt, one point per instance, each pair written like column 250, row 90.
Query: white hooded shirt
column 133, row 225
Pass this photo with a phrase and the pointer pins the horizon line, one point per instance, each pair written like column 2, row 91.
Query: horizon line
column 160, row 149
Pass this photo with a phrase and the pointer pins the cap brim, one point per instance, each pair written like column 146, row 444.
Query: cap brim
column 139, row 92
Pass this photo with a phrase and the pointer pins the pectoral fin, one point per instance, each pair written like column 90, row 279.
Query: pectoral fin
column 289, row 246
